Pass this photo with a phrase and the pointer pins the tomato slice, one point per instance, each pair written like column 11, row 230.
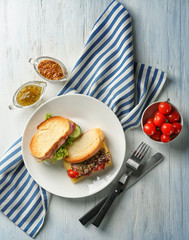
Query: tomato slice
column 72, row 174
column 99, row 167
column 102, row 166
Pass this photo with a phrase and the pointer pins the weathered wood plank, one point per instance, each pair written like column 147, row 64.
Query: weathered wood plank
column 157, row 207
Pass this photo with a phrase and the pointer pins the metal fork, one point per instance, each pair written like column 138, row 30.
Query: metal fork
column 134, row 161
column 132, row 164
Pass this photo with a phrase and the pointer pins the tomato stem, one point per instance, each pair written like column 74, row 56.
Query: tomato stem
column 168, row 100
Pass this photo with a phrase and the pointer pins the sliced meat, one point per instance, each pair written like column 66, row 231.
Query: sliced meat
column 60, row 143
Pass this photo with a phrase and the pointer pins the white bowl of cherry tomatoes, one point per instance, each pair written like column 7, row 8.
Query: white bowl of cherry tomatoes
column 162, row 122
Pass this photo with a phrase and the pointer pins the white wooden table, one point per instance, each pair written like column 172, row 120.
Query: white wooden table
column 157, row 207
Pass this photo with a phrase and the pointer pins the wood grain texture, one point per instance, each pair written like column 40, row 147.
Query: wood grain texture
column 157, row 207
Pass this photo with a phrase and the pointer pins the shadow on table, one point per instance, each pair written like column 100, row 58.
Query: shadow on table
column 181, row 141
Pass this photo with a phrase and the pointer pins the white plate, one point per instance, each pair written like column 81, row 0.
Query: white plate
column 88, row 113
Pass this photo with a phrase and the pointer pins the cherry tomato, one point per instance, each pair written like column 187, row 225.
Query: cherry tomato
column 156, row 136
column 173, row 116
column 177, row 127
column 157, row 112
column 165, row 138
column 167, row 128
column 164, row 107
column 159, row 119
column 72, row 174
column 149, row 129
column 150, row 120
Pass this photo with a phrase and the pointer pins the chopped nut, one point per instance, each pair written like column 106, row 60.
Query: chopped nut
column 50, row 70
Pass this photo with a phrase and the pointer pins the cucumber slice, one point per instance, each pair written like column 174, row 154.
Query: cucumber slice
column 76, row 132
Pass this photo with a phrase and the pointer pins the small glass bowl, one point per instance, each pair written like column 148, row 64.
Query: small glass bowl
column 41, row 84
column 35, row 63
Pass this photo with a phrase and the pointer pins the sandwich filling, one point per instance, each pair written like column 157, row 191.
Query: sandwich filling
column 87, row 155
column 93, row 164
column 52, row 138
column 60, row 143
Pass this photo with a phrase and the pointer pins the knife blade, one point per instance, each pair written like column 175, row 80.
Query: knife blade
column 145, row 167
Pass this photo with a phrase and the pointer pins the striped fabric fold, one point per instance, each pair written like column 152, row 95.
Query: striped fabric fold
column 106, row 71
column 22, row 200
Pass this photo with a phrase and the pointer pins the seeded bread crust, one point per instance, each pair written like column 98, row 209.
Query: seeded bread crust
column 50, row 133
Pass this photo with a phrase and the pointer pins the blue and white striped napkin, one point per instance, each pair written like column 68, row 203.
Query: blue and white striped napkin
column 106, row 71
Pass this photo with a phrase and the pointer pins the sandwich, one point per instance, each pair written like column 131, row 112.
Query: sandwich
column 87, row 155
column 53, row 135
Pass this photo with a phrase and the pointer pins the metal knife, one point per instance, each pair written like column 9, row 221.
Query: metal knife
column 145, row 167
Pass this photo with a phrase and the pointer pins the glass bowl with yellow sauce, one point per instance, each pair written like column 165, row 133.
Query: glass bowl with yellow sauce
column 28, row 95
column 50, row 69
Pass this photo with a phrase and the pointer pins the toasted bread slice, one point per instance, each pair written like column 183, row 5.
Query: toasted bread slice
column 85, row 146
column 67, row 165
column 49, row 134
column 101, row 134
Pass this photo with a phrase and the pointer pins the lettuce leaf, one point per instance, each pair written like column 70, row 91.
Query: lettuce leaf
column 48, row 115
column 62, row 152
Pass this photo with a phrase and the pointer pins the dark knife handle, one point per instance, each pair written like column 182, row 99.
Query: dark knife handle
column 98, row 219
column 93, row 212
column 142, row 171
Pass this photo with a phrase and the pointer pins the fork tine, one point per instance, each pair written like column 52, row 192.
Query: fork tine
column 140, row 150
column 135, row 159
column 145, row 150
column 137, row 150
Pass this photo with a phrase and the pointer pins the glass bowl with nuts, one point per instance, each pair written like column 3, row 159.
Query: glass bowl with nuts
column 50, row 69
